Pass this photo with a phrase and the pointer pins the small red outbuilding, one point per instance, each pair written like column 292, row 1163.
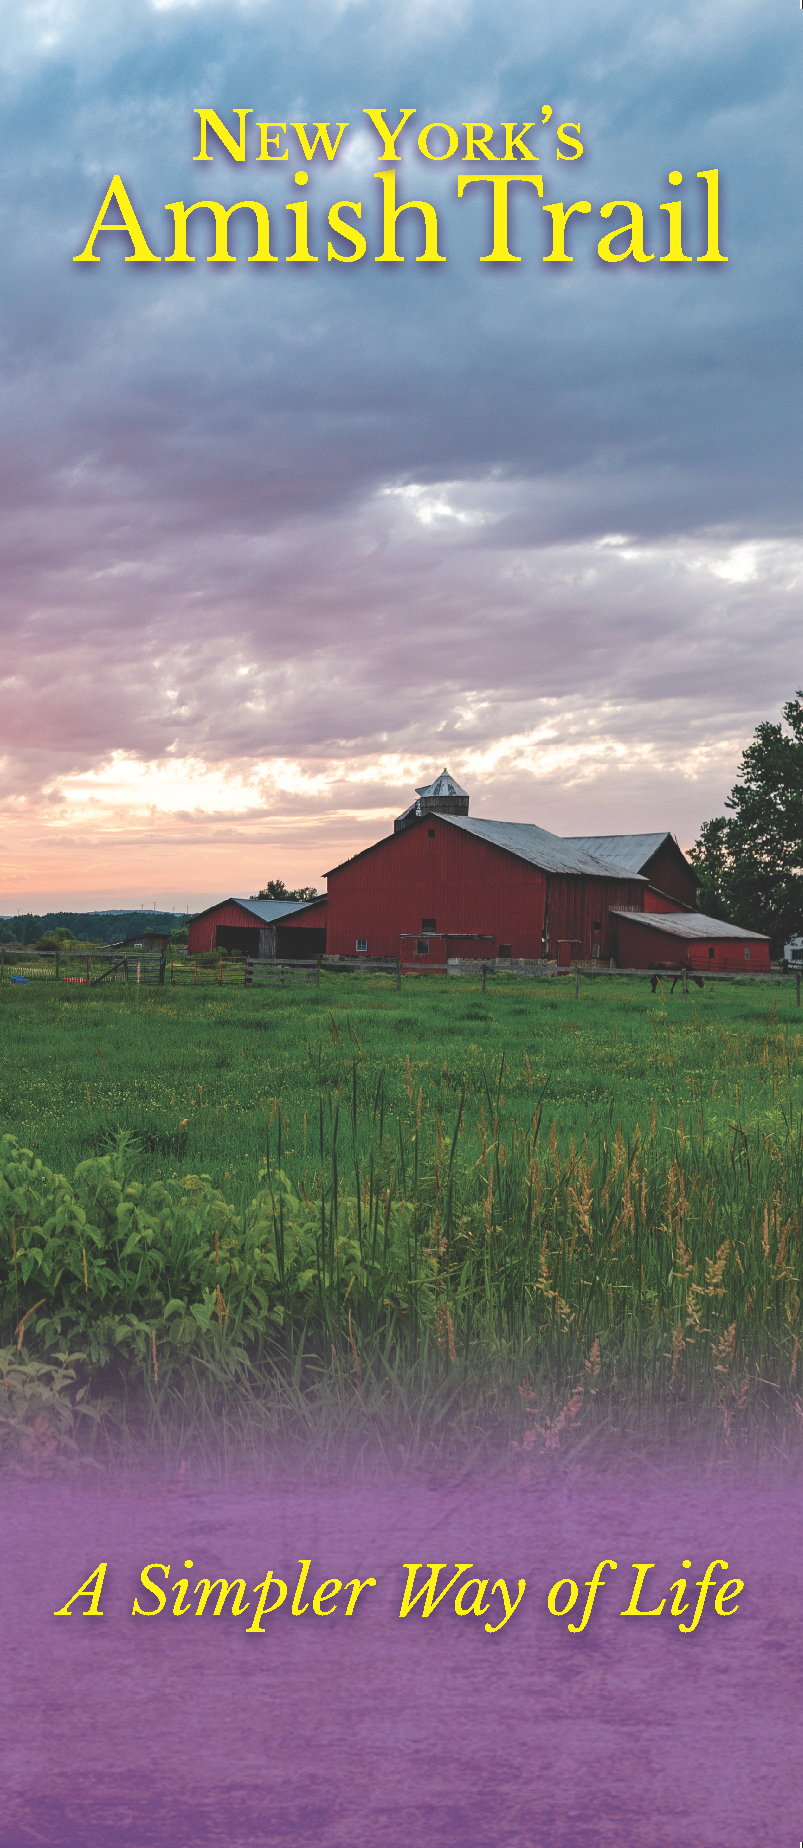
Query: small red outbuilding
column 267, row 927
column 640, row 938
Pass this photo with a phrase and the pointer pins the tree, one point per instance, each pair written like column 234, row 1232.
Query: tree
column 55, row 940
column 710, row 857
column 750, row 862
column 276, row 888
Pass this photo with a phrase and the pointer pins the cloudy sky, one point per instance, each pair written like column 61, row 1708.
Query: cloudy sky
column 282, row 539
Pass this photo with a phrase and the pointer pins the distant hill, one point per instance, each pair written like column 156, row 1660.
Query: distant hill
column 88, row 926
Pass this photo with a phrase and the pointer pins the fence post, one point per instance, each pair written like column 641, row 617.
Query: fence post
column 577, row 984
column 125, row 968
column 87, row 970
column 684, row 984
column 139, row 972
column 398, row 972
column 484, row 972
column 162, row 967
column 798, row 991
column 318, row 972
column 220, row 973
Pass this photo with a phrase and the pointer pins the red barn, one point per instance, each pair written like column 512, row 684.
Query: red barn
column 448, row 886
column 444, row 885
column 688, row 937
column 271, row 927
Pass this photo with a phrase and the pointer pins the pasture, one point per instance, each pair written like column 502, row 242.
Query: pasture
column 402, row 1219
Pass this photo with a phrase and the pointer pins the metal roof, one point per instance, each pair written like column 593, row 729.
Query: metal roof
column 268, row 910
column 548, row 851
column 444, row 785
column 630, row 851
column 689, row 924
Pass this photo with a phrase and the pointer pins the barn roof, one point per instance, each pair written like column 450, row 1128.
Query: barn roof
column 630, row 851
column 548, row 851
column 270, row 910
column 267, row 910
column 690, row 925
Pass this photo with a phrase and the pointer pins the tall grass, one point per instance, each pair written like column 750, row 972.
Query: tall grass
column 583, row 1224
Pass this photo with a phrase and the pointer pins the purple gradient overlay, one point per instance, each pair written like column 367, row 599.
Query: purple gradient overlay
column 386, row 1731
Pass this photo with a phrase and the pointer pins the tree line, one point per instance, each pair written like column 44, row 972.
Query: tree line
column 750, row 861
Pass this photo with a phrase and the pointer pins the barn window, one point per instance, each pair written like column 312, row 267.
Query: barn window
column 362, row 945
column 422, row 947
column 431, row 834
column 505, row 949
column 429, row 924
column 747, row 956
column 711, row 950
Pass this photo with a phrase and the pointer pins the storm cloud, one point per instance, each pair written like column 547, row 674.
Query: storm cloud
column 281, row 540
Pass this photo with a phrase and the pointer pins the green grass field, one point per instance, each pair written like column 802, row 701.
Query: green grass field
column 196, row 1073
column 512, row 1212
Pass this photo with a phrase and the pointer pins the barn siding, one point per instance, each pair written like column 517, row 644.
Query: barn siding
column 671, row 873
column 314, row 919
column 578, row 912
column 640, row 945
column 657, row 901
column 408, row 876
column 467, row 885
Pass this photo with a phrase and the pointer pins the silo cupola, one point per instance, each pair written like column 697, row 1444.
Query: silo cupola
column 443, row 797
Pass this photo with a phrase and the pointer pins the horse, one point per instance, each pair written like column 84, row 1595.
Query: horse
column 677, row 972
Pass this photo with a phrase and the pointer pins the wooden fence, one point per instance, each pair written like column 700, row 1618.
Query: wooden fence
column 101, row 967
column 79, row 968
column 281, row 974
column 200, row 971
